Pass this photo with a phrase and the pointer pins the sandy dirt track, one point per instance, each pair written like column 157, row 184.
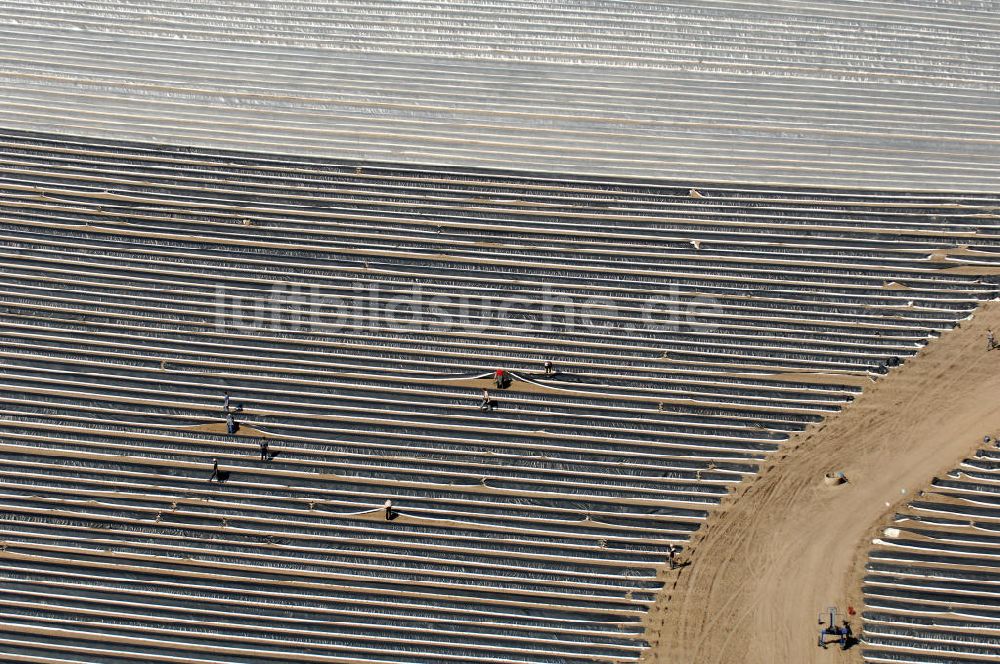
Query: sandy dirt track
column 786, row 545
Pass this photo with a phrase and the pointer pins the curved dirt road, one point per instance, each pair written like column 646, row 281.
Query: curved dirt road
column 772, row 558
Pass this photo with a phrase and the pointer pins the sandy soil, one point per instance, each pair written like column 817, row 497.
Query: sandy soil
column 220, row 427
column 786, row 545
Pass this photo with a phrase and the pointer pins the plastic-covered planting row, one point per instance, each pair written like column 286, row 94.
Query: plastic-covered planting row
column 491, row 574
column 149, row 378
column 933, row 584
column 302, row 327
column 101, row 644
column 478, row 93
column 293, row 204
column 626, row 461
column 494, row 266
column 478, row 279
column 549, row 532
column 669, row 468
column 594, row 556
column 484, row 432
column 860, row 277
column 332, row 183
column 278, row 631
column 344, row 594
column 94, row 110
column 258, row 604
column 498, row 317
column 529, row 34
column 688, row 356
column 596, row 43
column 357, row 484
column 358, row 480
column 434, row 220
column 693, row 487
column 599, row 27
column 311, row 474
column 407, row 479
column 549, row 516
column 779, row 312
column 173, row 162
column 145, row 388
column 60, row 517
column 259, row 610
column 431, row 351
column 445, row 358
column 593, row 383
column 688, row 466
column 55, row 349
column 379, row 184
column 920, row 41
column 56, row 369
column 717, row 244
column 144, row 411
column 455, row 132
column 187, row 549
column 282, row 626
column 495, row 320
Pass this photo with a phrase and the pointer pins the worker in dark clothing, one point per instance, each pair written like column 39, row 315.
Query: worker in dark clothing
column 500, row 378
column 487, row 403
column 215, row 470
column 263, row 450
column 672, row 556
column 230, row 424
column 548, row 367
column 225, row 402
column 991, row 341
column 388, row 510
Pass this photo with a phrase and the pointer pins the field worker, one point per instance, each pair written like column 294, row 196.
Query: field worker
column 991, row 341
column 215, row 470
column 500, row 378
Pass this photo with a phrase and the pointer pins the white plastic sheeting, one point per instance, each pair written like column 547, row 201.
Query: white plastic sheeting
column 886, row 94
